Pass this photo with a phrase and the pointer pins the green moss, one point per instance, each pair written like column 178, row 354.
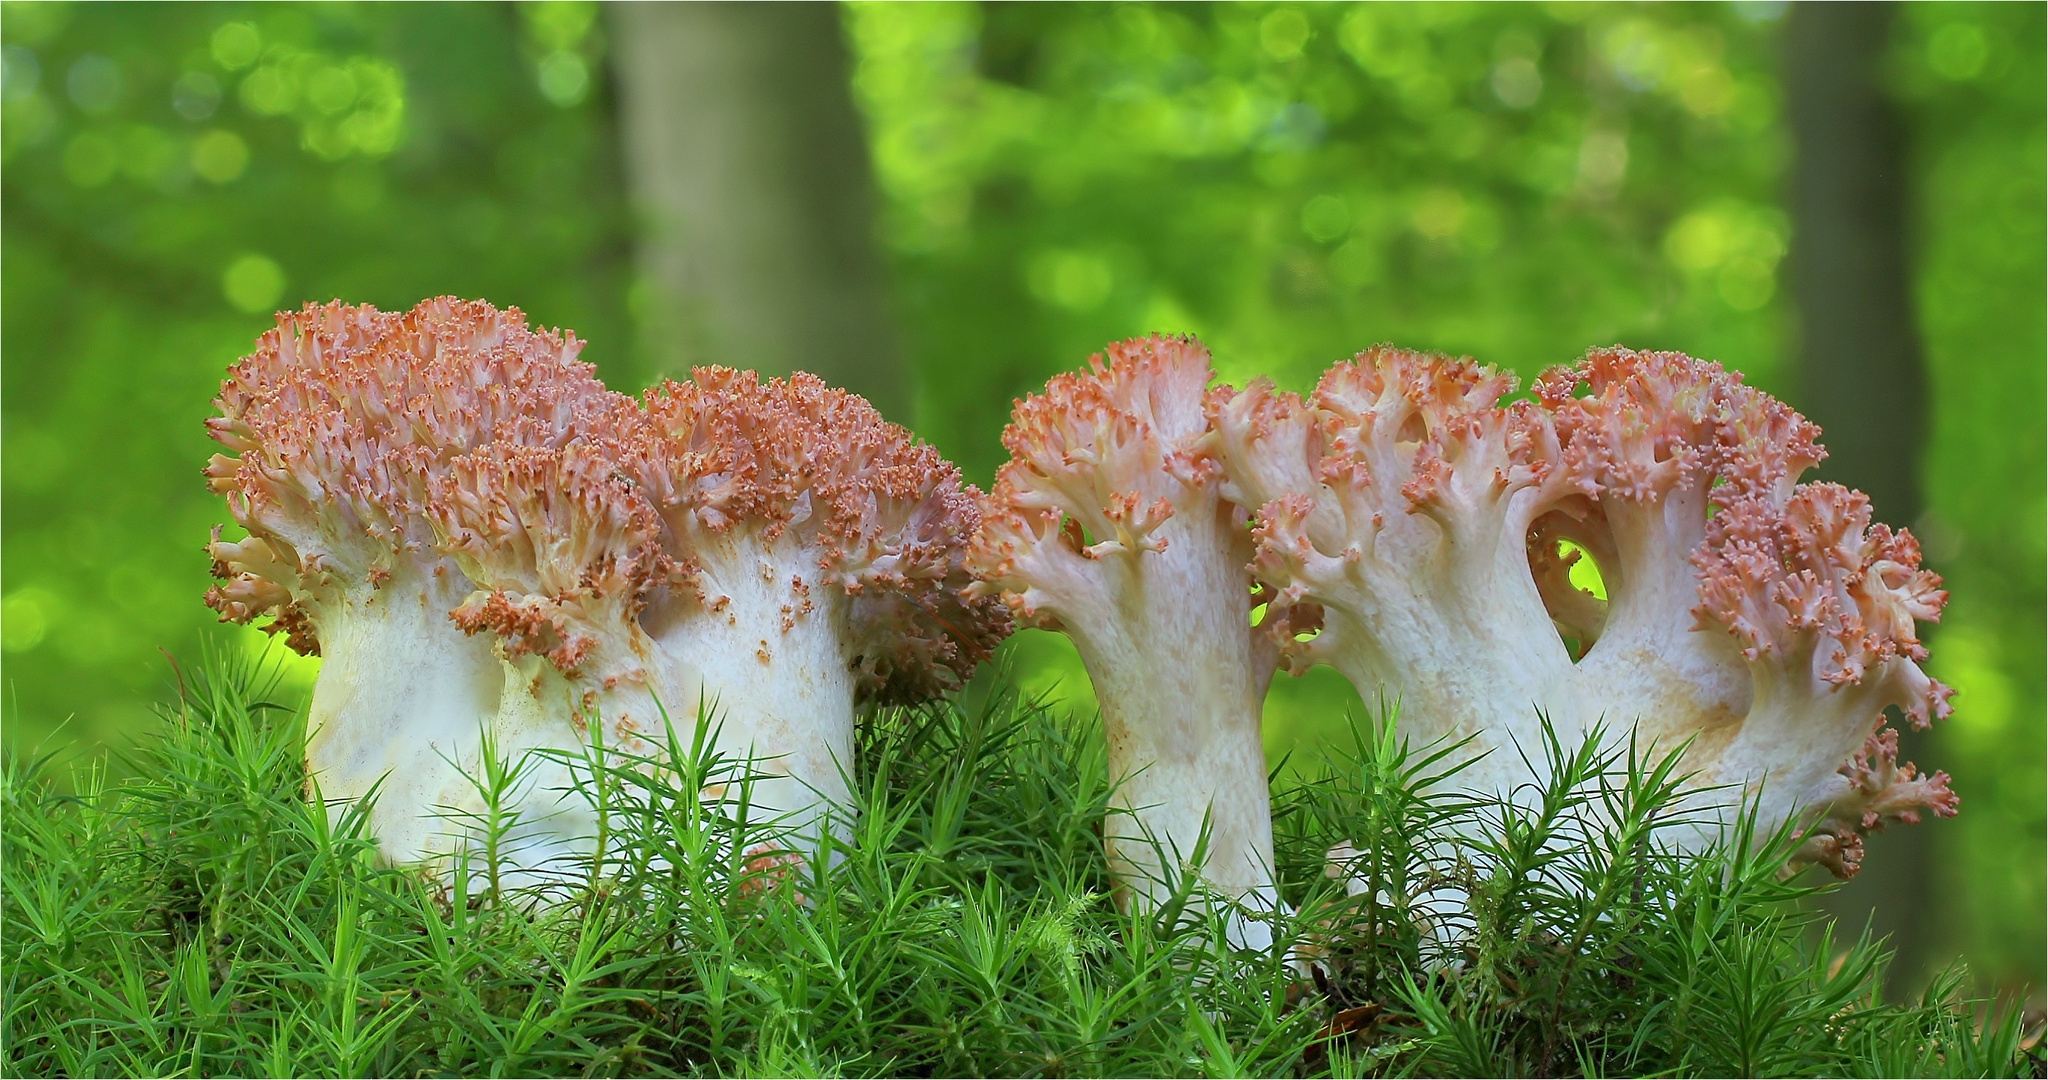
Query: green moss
column 205, row 919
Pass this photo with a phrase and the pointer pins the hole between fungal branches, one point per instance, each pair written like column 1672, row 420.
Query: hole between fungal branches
column 1720, row 493
column 1261, row 604
column 1075, row 532
column 1585, row 574
column 1412, row 430
column 1584, row 577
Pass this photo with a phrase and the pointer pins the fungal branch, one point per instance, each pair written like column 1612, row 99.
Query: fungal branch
column 1397, row 498
column 1110, row 524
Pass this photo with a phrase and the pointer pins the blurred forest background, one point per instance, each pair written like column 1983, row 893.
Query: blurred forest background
column 942, row 204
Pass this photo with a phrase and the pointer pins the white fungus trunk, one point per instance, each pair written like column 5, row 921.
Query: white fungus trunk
column 400, row 706
column 405, row 711
column 762, row 657
column 1181, row 696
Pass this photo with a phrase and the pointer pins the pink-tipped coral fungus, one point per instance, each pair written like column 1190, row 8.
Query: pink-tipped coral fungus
column 1416, row 533
column 771, row 552
column 345, row 419
column 1110, row 524
column 490, row 550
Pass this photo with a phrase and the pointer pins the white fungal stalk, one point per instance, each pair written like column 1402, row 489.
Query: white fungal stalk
column 766, row 650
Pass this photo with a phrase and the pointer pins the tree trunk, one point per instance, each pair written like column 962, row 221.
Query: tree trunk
column 749, row 168
column 1862, row 377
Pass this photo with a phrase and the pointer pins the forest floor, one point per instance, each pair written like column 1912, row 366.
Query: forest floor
column 205, row 918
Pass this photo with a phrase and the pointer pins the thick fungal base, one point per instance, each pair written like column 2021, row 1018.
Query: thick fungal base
column 762, row 657
column 401, row 706
column 1181, row 700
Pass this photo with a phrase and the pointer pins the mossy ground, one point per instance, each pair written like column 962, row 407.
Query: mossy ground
column 205, row 919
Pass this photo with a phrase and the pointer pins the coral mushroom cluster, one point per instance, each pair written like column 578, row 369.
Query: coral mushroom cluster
column 495, row 554
column 1405, row 526
column 491, row 550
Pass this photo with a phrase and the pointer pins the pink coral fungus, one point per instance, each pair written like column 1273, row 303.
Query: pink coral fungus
column 345, row 418
column 814, row 558
column 1765, row 620
column 1418, row 534
column 1110, row 524
column 490, row 550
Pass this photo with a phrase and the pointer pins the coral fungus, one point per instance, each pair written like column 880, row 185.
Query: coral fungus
column 787, row 553
column 345, row 418
column 491, row 551
column 1765, row 620
column 1418, row 534
column 1110, row 524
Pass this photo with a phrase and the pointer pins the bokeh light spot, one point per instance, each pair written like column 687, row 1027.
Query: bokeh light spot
column 195, row 95
column 1517, row 83
column 219, row 156
column 253, row 284
column 149, row 155
column 94, row 83
column 19, row 73
column 1325, row 218
column 91, row 159
column 1284, row 33
column 1958, row 51
column 1440, row 213
column 1075, row 280
column 267, row 92
column 1603, row 162
column 236, row 45
column 564, row 79
column 331, row 90
column 1747, row 284
column 25, row 618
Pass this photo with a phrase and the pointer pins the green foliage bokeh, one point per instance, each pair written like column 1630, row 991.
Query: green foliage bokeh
column 1292, row 182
